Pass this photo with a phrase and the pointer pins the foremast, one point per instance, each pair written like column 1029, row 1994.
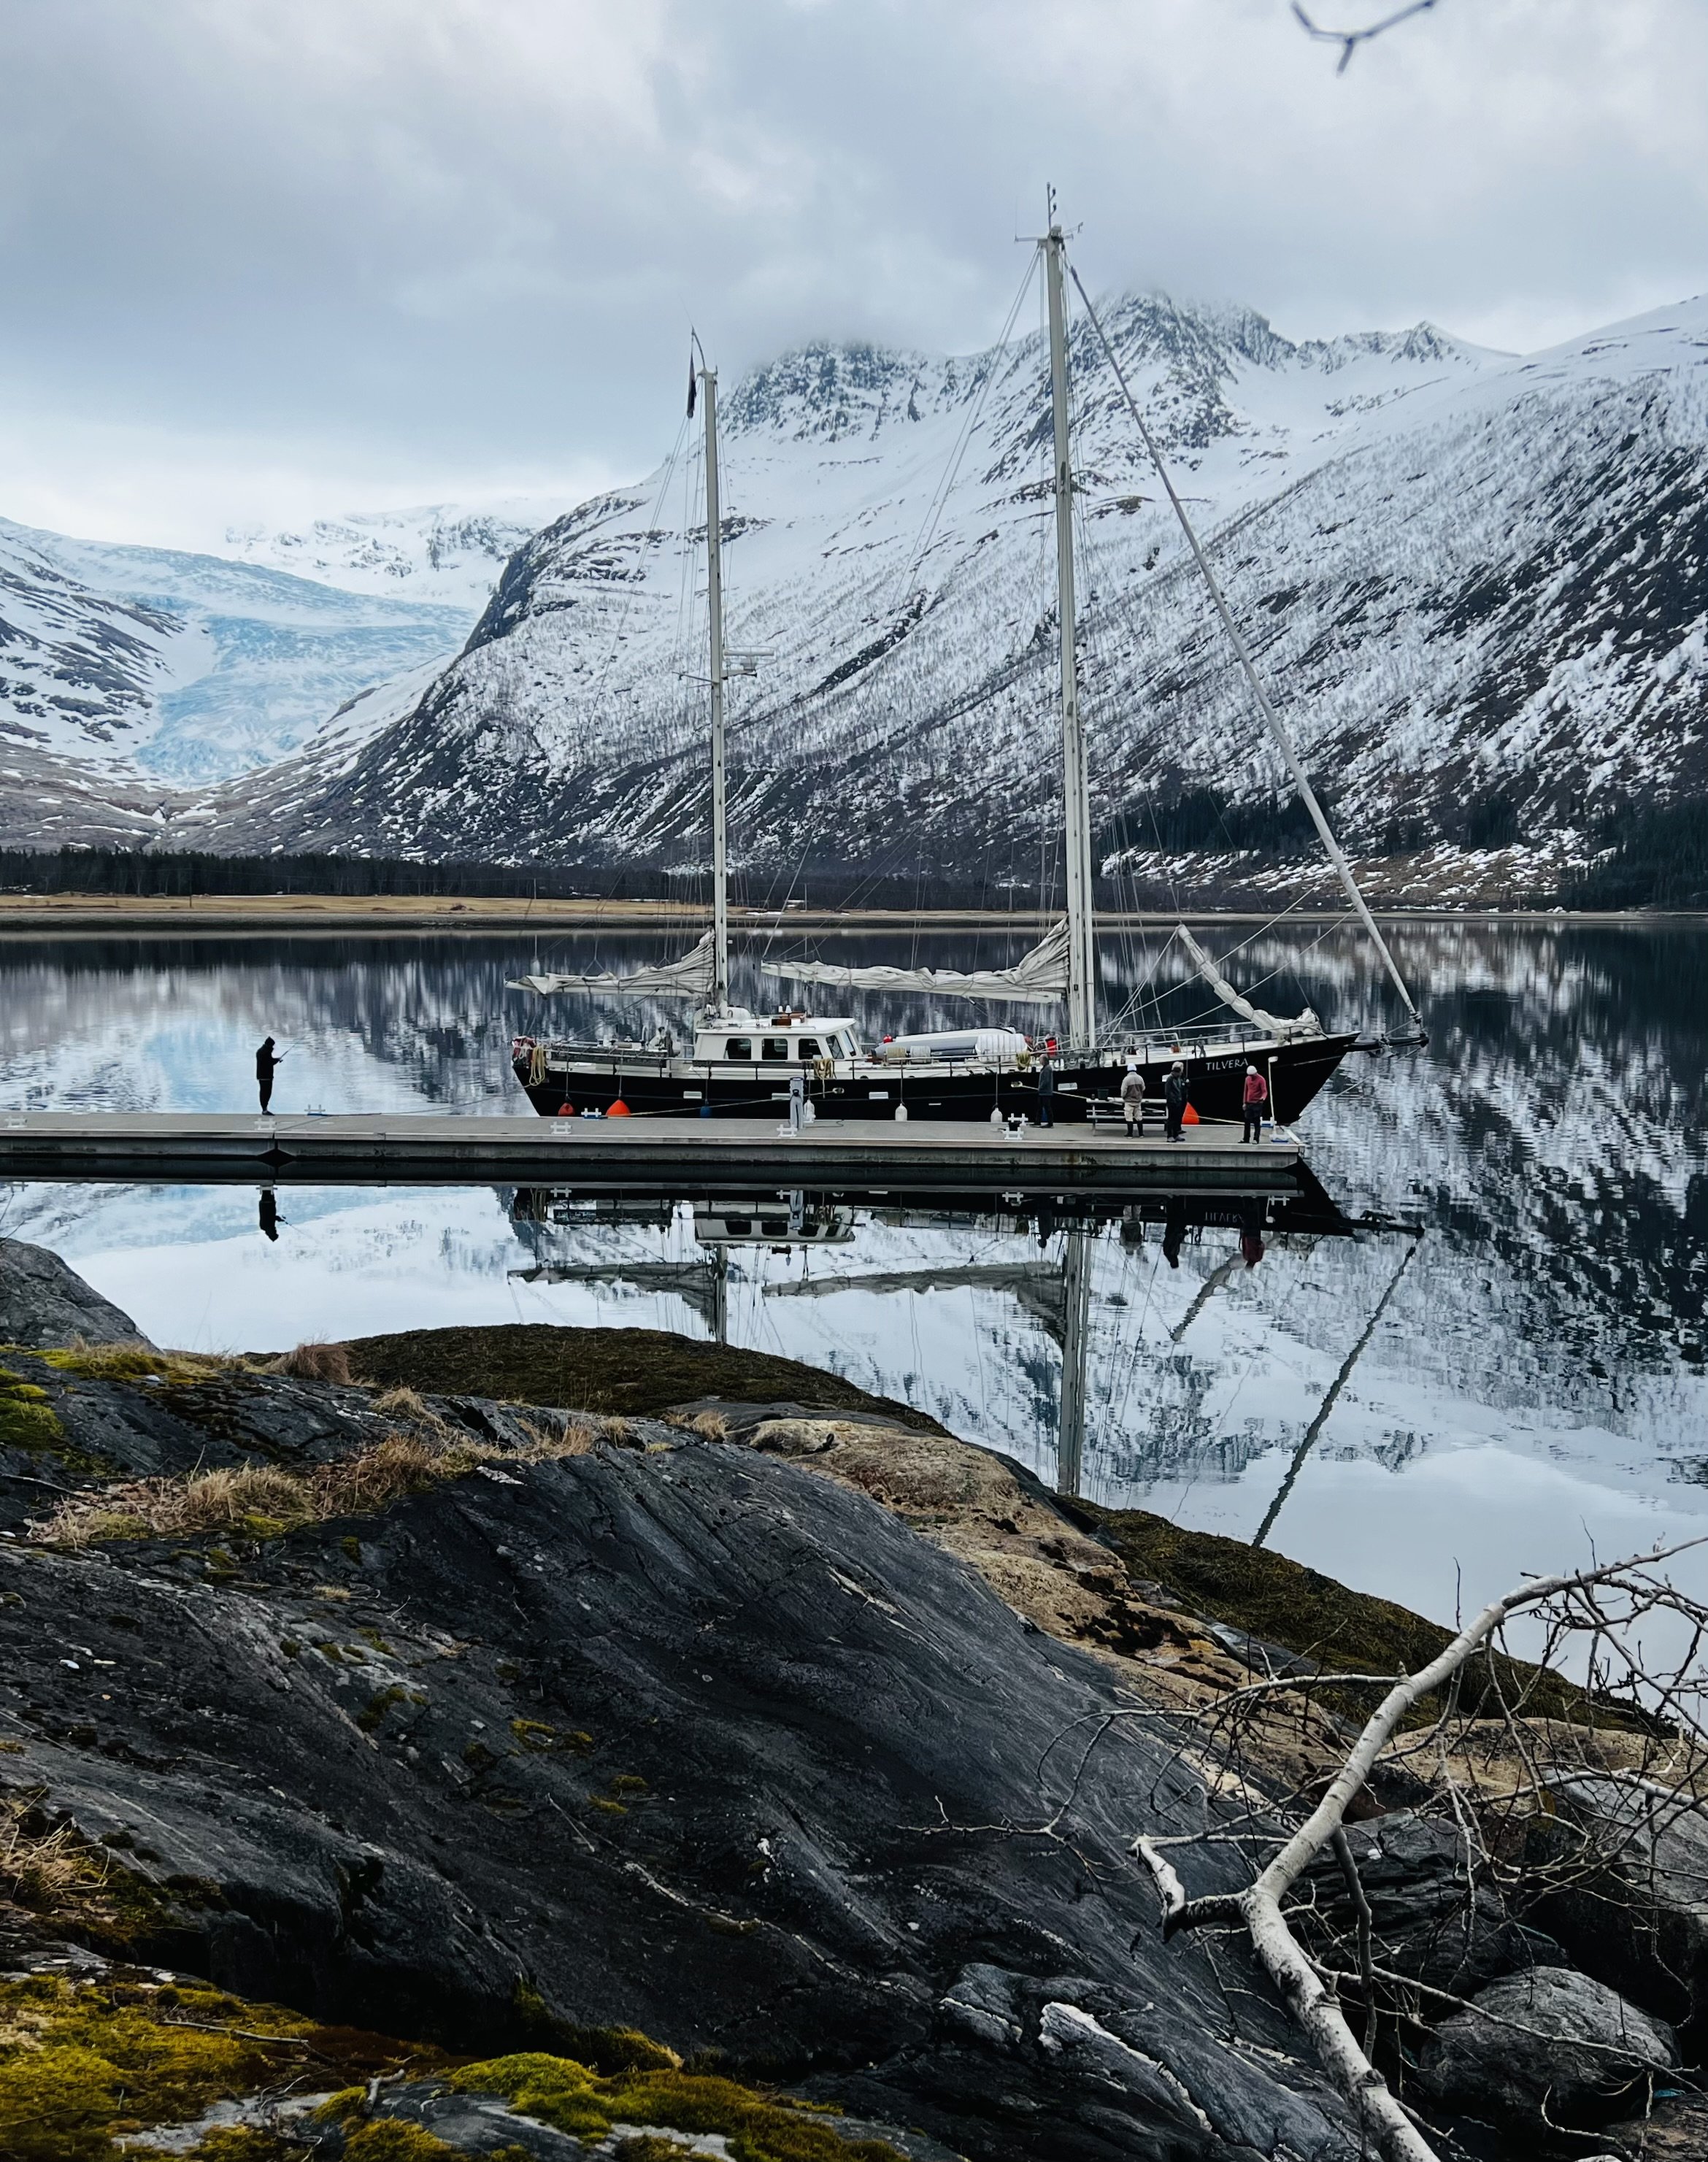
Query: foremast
column 719, row 998
column 1082, row 935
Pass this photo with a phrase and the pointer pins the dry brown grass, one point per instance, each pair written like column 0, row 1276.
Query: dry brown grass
column 261, row 1501
column 314, row 1362
column 44, row 1869
column 137, row 1361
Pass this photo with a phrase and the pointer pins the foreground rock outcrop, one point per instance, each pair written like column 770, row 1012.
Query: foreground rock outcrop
column 796, row 1742
column 668, row 1734
column 43, row 1302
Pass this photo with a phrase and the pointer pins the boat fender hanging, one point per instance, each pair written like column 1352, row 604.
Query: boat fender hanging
column 902, row 1114
column 619, row 1110
column 566, row 1110
column 1188, row 1117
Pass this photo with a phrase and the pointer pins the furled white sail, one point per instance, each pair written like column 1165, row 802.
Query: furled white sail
column 690, row 978
column 1038, row 979
column 1284, row 1032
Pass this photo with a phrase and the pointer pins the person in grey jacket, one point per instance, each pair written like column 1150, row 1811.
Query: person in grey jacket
column 1133, row 1102
column 1175, row 1093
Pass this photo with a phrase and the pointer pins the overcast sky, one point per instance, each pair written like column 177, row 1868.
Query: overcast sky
column 261, row 260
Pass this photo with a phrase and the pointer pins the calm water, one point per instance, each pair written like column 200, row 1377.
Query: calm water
column 1521, row 1375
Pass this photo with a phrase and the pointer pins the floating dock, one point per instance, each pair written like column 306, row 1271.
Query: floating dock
column 725, row 1155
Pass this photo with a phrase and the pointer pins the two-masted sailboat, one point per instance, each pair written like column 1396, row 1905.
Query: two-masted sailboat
column 739, row 1064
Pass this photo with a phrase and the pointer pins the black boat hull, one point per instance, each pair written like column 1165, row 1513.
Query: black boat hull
column 648, row 1088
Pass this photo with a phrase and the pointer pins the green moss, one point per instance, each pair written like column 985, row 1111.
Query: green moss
column 536, row 1734
column 85, row 2066
column 132, row 1362
column 107, row 2061
column 372, row 1716
column 611, row 1809
column 352, row 1546
column 1347, row 1631
column 563, row 2093
column 244, row 2142
column 340, row 2108
column 389, row 2139
column 27, row 1423
column 624, row 1371
column 628, row 1783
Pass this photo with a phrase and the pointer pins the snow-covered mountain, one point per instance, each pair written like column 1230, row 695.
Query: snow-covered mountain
column 147, row 665
column 1467, row 578
column 1471, row 579
column 448, row 553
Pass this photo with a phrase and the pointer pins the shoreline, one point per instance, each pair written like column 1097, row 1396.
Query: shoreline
column 24, row 916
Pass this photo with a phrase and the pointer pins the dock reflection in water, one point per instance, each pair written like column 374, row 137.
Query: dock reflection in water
column 1527, row 1374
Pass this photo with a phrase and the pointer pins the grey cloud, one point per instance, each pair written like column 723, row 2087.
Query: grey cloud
column 448, row 238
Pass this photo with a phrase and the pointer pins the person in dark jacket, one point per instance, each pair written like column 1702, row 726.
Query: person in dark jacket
column 266, row 1065
column 1046, row 1089
column 1255, row 1099
column 1175, row 1093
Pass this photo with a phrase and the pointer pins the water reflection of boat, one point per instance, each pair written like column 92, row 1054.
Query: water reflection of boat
column 740, row 1063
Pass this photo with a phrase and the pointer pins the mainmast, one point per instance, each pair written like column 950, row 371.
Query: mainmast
column 1082, row 949
column 714, row 600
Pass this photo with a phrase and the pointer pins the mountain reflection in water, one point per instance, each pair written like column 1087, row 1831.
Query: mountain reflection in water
column 1526, row 1375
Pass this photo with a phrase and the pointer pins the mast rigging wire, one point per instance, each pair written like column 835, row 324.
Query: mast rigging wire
column 1272, row 719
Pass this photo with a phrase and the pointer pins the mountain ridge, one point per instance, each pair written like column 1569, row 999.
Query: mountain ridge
column 1470, row 577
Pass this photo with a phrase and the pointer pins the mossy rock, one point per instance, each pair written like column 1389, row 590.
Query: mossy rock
column 84, row 2065
column 1286, row 1603
column 758, row 2127
column 616, row 1371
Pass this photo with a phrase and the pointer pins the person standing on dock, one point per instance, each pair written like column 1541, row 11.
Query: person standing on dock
column 1046, row 1089
column 266, row 1065
column 1132, row 1103
column 1174, row 1099
column 1255, row 1101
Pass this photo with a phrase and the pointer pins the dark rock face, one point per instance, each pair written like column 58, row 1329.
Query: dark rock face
column 1438, row 1918
column 1548, row 2047
column 44, row 1303
column 672, row 1736
column 1633, row 1906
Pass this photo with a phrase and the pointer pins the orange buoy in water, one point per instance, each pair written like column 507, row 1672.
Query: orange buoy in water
column 566, row 1110
column 619, row 1110
column 1188, row 1117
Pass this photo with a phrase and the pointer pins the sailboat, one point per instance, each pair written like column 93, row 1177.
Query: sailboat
column 738, row 1064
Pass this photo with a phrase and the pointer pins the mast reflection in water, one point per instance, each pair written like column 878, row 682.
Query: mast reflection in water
column 1529, row 1369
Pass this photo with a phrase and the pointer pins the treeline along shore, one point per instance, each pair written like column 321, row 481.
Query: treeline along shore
column 1200, row 855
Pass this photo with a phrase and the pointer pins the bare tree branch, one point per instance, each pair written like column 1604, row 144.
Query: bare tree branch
column 1349, row 41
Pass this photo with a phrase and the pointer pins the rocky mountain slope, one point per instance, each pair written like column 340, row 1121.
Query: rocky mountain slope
column 1478, row 586
column 448, row 553
column 129, row 670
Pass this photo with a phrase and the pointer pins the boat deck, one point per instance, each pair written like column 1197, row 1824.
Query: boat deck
column 425, row 1148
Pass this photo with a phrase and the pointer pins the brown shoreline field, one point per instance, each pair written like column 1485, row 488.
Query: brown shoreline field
column 57, row 914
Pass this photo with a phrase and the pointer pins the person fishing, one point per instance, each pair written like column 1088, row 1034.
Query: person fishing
column 1175, row 1093
column 267, row 1062
column 1132, row 1103
column 1255, row 1101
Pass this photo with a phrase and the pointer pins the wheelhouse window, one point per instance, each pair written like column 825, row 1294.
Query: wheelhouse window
column 774, row 1046
column 809, row 1047
column 739, row 1047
